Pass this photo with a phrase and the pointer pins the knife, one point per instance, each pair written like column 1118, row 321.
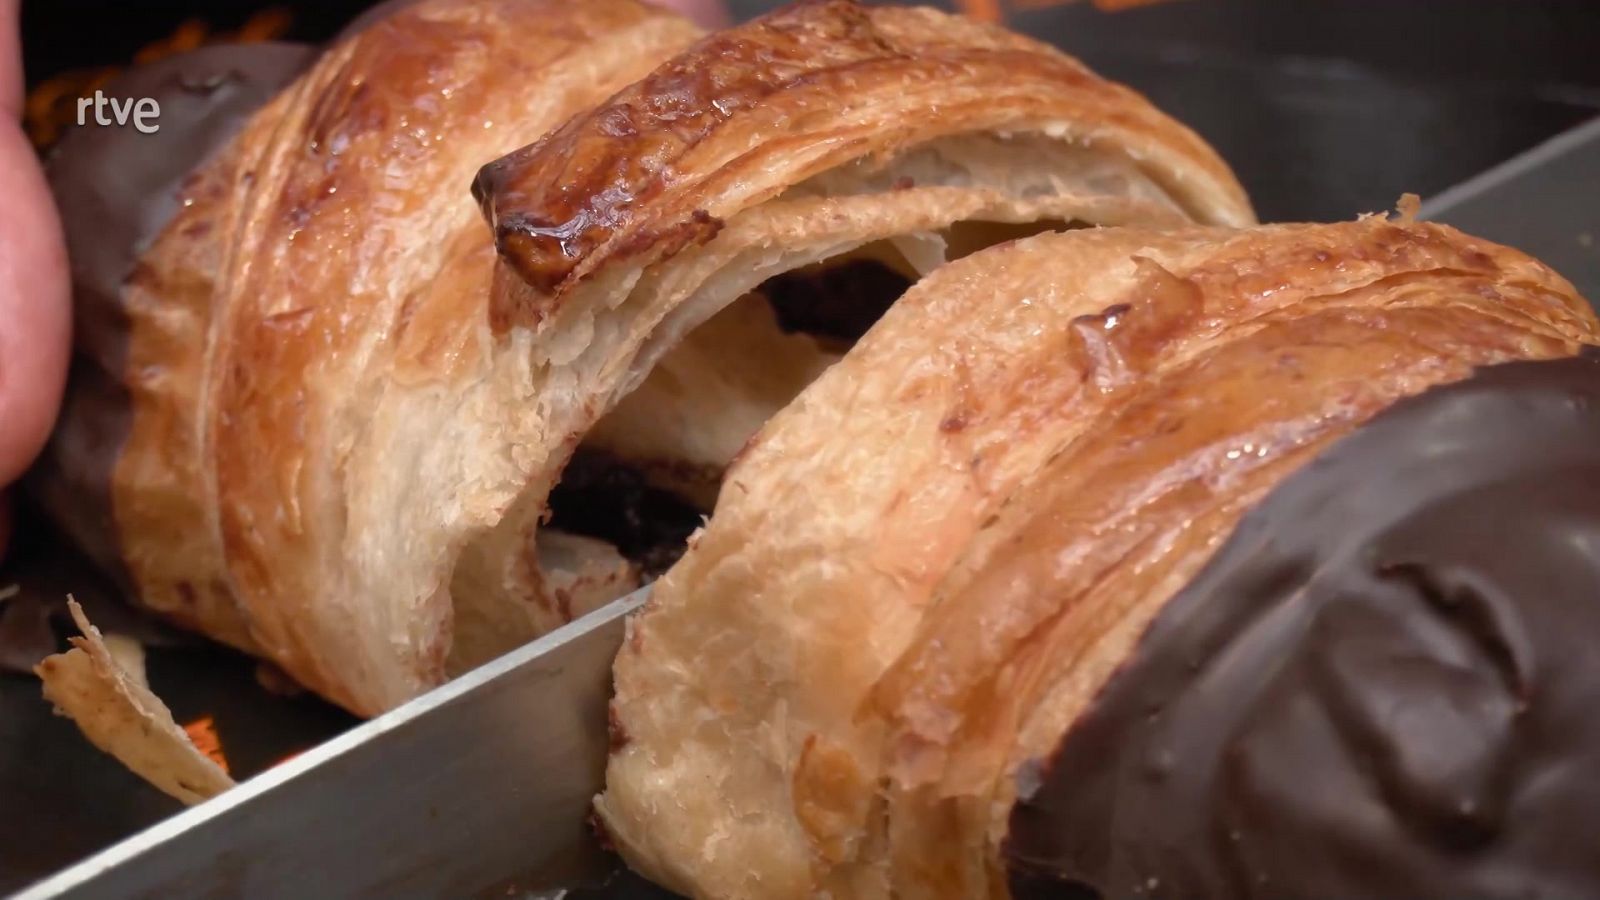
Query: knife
column 480, row 787
column 483, row 786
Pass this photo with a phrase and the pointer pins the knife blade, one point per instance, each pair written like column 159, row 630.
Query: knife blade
column 1542, row 202
column 480, row 783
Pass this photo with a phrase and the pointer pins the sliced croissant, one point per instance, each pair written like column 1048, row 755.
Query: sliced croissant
column 921, row 573
column 752, row 170
column 286, row 423
column 347, row 417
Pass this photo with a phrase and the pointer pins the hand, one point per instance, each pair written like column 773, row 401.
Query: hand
column 35, row 312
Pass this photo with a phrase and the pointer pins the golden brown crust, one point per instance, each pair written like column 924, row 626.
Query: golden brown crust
column 325, row 267
column 935, row 555
column 664, row 164
column 1138, row 506
column 346, row 425
column 357, row 211
column 904, row 134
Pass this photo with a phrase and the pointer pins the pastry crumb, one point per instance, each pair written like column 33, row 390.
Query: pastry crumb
column 1408, row 207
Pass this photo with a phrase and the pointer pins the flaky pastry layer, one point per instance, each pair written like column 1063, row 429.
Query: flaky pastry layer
column 923, row 568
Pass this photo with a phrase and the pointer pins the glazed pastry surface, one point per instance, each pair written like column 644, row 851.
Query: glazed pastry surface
column 295, row 373
column 324, row 408
column 923, row 571
column 766, row 165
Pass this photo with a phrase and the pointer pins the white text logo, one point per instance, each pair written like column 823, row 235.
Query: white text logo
column 112, row 111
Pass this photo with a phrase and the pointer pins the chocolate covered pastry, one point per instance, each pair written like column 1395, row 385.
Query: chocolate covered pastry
column 1197, row 563
column 318, row 418
column 1380, row 686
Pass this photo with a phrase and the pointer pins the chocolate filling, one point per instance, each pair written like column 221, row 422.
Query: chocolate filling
column 633, row 507
column 838, row 301
column 835, row 301
column 1382, row 685
column 602, row 497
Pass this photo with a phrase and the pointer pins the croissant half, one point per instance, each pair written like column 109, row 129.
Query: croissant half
column 298, row 362
column 1123, row 562
column 646, row 244
column 345, row 414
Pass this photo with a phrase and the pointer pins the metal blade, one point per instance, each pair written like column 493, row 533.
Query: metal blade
column 486, row 779
column 1543, row 202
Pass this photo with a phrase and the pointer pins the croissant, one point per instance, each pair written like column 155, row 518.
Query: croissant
column 1195, row 563
column 272, row 425
column 332, row 419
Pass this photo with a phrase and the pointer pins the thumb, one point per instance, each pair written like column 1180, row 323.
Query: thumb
column 34, row 307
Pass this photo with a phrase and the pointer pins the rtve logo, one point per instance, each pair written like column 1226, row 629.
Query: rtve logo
column 141, row 112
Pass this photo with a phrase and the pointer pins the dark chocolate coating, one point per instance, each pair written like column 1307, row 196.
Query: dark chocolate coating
column 118, row 187
column 1385, row 684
